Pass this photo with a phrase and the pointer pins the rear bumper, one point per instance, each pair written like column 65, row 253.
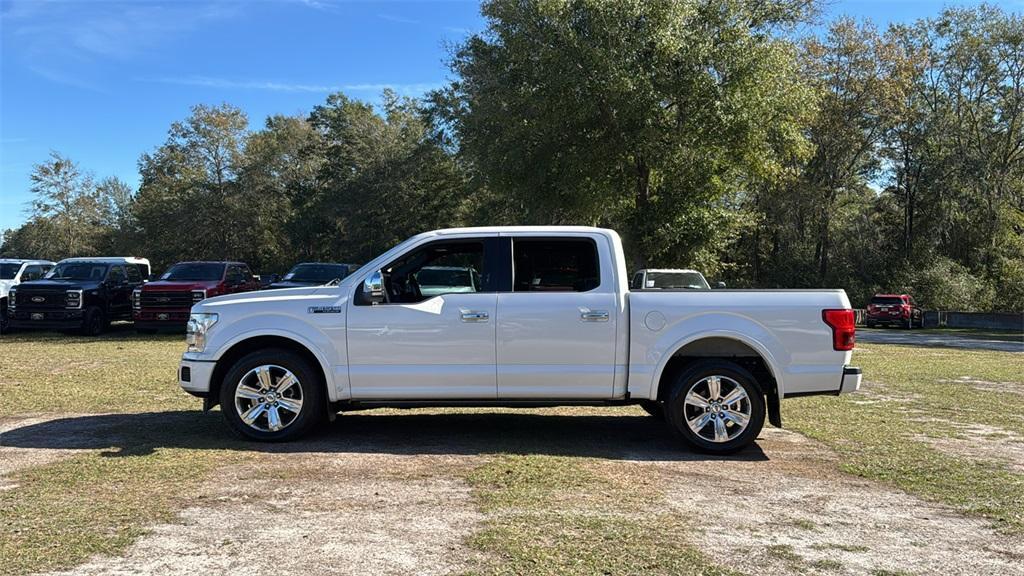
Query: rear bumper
column 851, row 380
column 886, row 319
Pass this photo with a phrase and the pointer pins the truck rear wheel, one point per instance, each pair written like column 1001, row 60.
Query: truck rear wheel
column 272, row 395
column 715, row 406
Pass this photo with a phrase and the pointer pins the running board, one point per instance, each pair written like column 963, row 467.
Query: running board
column 353, row 405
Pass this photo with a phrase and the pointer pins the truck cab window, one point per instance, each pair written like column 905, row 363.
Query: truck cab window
column 134, row 276
column 116, row 275
column 32, row 273
column 435, row 269
column 637, row 282
column 555, row 265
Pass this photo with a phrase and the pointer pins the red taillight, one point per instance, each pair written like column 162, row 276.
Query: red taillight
column 843, row 328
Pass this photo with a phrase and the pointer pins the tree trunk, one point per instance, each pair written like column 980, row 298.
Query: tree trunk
column 643, row 198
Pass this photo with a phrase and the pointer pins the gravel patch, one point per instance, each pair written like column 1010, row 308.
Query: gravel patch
column 311, row 514
column 798, row 514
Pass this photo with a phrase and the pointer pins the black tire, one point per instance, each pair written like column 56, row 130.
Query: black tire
column 654, row 408
column 310, row 384
column 5, row 321
column 93, row 323
column 695, row 377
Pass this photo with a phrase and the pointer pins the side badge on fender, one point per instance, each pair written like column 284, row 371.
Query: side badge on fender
column 325, row 309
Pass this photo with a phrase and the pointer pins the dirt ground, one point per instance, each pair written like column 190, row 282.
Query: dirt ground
column 381, row 494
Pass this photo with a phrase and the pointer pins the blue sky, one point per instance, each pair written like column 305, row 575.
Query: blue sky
column 102, row 81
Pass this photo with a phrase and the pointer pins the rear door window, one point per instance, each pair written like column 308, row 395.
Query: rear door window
column 554, row 265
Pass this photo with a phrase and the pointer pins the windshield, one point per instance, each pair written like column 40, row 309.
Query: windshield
column 322, row 273
column 78, row 271
column 9, row 271
column 887, row 300
column 691, row 280
column 194, row 271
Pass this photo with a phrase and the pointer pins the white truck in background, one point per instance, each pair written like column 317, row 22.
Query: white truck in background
column 546, row 318
column 669, row 278
column 14, row 271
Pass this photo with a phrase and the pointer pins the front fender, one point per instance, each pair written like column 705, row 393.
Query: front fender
column 316, row 341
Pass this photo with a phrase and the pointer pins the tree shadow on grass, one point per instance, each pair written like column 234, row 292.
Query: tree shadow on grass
column 611, row 436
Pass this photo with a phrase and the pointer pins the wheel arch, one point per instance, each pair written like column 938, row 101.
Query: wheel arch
column 247, row 344
column 721, row 345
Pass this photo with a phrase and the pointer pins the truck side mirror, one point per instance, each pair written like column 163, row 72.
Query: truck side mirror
column 373, row 288
column 719, row 285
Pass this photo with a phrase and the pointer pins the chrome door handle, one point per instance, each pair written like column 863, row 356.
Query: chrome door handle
column 588, row 315
column 475, row 316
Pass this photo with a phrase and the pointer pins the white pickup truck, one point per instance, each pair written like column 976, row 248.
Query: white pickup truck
column 545, row 318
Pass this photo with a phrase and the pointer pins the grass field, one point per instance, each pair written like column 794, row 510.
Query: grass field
column 562, row 497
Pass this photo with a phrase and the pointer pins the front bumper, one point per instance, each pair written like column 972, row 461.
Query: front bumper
column 49, row 319
column 194, row 376
column 168, row 319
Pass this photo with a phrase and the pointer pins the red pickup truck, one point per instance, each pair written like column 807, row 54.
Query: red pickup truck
column 894, row 310
column 165, row 303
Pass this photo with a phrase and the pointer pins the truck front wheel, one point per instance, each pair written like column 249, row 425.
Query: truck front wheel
column 93, row 323
column 654, row 408
column 272, row 395
column 715, row 406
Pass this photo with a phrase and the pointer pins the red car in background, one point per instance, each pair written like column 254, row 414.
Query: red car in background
column 894, row 310
column 167, row 302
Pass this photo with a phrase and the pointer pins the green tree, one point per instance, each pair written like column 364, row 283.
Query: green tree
column 645, row 115
column 382, row 178
column 67, row 199
column 280, row 164
column 184, row 204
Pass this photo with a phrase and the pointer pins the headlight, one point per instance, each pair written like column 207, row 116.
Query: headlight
column 137, row 299
column 196, row 329
column 73, row 299
column 198, row 296
column 12, row 298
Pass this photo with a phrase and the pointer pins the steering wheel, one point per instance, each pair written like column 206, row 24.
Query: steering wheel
column 414, row 289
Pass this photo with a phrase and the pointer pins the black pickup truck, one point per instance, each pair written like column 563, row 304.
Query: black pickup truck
column 83, row 294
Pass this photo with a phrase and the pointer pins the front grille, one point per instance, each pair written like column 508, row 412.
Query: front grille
column 176, row 299
column 27, row 299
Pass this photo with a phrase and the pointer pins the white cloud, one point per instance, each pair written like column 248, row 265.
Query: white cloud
column 408, row 89
column 399, row 19
column 67, row 42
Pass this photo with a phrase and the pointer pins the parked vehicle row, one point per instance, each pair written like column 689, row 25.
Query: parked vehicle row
column 86, row 294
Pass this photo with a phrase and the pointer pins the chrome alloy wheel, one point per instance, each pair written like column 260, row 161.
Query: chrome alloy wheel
column 717, row 408
column 268, row 398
